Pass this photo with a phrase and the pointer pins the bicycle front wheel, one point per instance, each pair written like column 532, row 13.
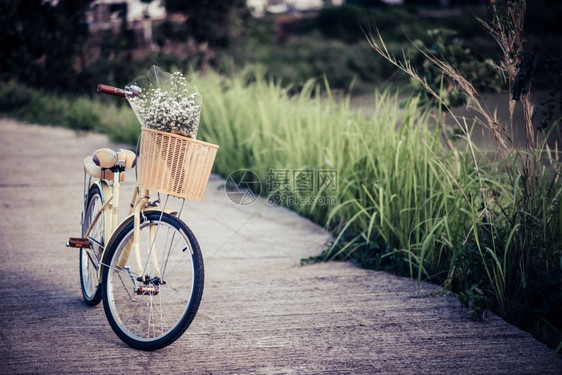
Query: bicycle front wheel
column 151, row 298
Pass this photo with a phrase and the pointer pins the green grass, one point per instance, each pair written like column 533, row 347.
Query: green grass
column 404, row 202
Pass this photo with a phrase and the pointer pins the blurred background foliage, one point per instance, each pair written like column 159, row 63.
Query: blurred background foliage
column 46, row 44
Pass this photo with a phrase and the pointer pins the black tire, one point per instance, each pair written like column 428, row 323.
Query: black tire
column 152, row 314
column 91, row 290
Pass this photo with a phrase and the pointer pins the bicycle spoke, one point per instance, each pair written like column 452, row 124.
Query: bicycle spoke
column 134, row 309
column 168, row 256
column 125, row 287
column 178, row 263
column 161, row 315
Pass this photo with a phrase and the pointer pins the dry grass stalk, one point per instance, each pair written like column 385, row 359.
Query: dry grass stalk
column 405, row 65
column 508, row 31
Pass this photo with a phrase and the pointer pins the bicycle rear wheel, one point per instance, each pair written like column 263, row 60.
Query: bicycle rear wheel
column 152, row 310
column 88, row 263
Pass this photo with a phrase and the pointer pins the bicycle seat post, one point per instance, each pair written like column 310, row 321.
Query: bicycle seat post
column 116, row 187
column 117, row 170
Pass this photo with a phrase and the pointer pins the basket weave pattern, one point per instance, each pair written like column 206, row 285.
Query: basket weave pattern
column 176, row 165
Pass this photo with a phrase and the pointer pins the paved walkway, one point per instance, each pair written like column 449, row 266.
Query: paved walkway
column 261, row 312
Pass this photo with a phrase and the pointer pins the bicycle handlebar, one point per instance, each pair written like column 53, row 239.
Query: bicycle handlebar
column 106, row 89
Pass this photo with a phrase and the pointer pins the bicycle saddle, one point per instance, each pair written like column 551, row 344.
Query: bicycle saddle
column 107, row 158
column 99, row 163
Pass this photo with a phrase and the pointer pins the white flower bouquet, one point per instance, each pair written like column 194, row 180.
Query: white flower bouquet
column 166, row 102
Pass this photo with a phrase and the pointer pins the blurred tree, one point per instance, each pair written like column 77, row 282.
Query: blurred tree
column 41, row 40
column 543, row 17
column 341, row 23
column 422, row 2
column 365, row 3
column 446, row 44
column 541, row 67
column 220, row 23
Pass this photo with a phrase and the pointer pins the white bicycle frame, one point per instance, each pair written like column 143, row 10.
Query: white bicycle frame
column 110, row 209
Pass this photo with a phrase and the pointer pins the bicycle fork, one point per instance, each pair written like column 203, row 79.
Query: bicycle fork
column 124, row 257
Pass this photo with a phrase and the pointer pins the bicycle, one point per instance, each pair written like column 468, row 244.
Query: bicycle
column 147, row 268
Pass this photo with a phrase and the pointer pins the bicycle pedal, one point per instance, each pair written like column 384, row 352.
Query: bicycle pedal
column 147, row 289
column 78, row 242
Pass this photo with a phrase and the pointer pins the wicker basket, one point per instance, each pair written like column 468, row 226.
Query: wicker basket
column 176, row 165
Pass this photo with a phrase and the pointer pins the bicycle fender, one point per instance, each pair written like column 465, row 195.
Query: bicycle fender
column 105, row 195
column 104, row 188
column 118, row 230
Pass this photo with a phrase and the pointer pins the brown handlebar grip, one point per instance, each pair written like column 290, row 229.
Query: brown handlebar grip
column 106, row 89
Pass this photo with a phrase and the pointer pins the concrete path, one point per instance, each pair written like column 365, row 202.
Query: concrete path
column 261, row 312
